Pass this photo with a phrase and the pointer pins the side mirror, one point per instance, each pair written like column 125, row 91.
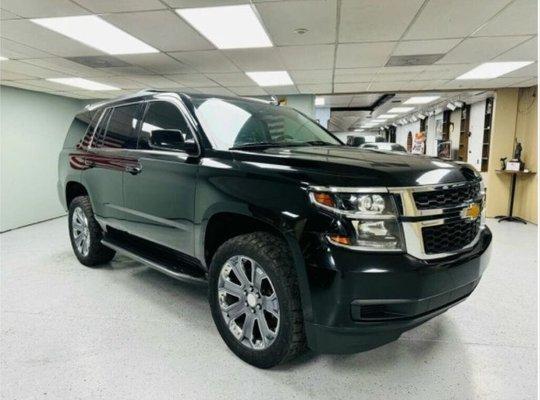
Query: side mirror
column 172, row 139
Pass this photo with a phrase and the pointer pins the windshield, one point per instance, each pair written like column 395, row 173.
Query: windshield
column 232, row 123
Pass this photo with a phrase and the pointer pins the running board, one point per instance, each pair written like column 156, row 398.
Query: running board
column 151, row 263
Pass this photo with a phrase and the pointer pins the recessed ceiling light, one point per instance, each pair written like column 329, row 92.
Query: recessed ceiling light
column 387, row 116
column 492, row 70
column 271, row 78
column 228, row 27
column 319, row 101
column 83, row 83
column 3, row 58
column 97, row 33
column 379, row 120
column 421, row 99
column 400, row 110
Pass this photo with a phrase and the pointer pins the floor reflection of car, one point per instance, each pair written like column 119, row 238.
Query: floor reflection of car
column 385, row 146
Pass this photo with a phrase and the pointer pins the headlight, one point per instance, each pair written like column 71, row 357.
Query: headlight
column 373, row 218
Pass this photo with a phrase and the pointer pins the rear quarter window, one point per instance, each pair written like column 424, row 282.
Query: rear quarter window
column 80, row 131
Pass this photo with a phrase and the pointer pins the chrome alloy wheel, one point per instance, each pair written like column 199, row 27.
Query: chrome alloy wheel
column 248, row 302
column 80, row 231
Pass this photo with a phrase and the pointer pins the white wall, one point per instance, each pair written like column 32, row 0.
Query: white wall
column 402, row 131
column 33, row 127
column 476, row 126
column 431, row 135
column 322, row 114
column 455, row 118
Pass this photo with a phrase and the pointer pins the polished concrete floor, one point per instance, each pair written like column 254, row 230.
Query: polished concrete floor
column 127, row 332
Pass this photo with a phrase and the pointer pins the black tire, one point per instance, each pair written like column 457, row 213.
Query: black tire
column 273, row 255
column 97, row 253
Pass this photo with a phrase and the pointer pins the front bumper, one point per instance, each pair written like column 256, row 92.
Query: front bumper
column 363, row 300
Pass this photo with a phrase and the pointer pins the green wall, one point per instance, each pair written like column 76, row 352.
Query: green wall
column 33, row 126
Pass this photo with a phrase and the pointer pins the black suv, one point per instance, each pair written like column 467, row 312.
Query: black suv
column 304, row 242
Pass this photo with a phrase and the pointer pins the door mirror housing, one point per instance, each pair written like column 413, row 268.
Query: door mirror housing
column 172, row 139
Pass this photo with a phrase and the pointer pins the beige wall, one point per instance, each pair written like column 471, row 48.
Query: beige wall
column 514, row 117
column 527, row 134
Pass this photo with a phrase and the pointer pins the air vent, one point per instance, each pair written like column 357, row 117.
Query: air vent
column 99, row 61
column 415, row 59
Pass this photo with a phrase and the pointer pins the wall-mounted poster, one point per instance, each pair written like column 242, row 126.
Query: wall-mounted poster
column 444, row 149
column 419, row 143
column 439, row 128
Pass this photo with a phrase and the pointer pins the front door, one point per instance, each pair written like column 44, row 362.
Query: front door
column 159, row 194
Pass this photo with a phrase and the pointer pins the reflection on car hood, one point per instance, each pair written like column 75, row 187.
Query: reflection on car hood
column 349, row 166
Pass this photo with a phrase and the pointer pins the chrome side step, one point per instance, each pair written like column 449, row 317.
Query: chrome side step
column 152, row 264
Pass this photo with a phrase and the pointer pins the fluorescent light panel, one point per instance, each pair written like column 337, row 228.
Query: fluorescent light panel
column 271, row 78
column 228, row 27
column 421, row 99
column 387, row 116
column 97, row 33
column 3, row 58
column 492, row 70
column 83, row 83
column 400, row 110
column 319, row 101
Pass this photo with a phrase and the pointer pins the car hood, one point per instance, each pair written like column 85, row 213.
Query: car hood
column 347, row 166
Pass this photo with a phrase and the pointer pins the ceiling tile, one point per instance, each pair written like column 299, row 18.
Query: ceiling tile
column 203, row 3
column 23, row 84
column 32, row 35
column 354, row 55
column 282, row 18
column 119, row 82
column 44, row 84
column 527, row 83
column 367, row 20
column 450, row 71
column 441, row 19
column 350, row 87
column 337, row 101
column 192, row 80
column 481, row 49
column 158, row 63
column 352, row 75
column 131, row 70
column 7, row 15
column 28, row 69
column 232, row 79
column 248, row 91
column 66, row 67
column 206, row 61
column 308, row 57
column 281, row 90
column 528, row 71
column 153, row 81
column 266, row 59
column 311, row 76
column 164, row 30
column 216, row 90
column 385, row 86
column 526, row 51
column 43, row 8
column 438, row 46
column 12, row 76
column 315, row 88
column 519, row 18
column 108, row 6
column 14, row 50
column 394, row 76
column 423, row 85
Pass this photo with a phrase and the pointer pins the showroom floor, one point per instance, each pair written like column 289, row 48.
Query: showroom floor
column 125, row 331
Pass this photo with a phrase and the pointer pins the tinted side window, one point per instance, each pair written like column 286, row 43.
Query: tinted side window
column 79, row 133
column 122, row 127
column 99, row 135
column 161, row 117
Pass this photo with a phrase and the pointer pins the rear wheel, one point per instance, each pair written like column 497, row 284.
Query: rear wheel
column 255, row 300
column 86, row 234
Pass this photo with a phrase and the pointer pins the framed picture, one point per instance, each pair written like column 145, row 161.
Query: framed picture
column 513, row 166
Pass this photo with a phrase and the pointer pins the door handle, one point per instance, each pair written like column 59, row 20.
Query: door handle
column 134, row 169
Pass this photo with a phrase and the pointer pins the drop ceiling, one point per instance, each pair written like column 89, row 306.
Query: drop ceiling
column 345, row 49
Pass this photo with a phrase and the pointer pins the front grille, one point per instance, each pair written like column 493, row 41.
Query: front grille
column 446, row 198
column 449, row 237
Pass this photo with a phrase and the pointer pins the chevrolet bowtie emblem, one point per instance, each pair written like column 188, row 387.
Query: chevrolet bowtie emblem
column 471, row 212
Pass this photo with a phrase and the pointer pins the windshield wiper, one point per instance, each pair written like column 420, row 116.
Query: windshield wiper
column 319, row 143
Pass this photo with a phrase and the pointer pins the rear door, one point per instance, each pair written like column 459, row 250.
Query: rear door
column 107, row 158
column 159, row 195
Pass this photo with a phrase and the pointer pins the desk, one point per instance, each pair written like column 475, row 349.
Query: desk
column 514, row 174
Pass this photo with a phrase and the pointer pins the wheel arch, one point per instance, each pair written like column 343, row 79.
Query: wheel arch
column 226, row 224
column 74, row 189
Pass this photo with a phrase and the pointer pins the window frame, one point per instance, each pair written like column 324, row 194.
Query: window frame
column 179, row 105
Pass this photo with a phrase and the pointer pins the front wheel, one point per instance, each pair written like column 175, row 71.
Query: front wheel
column 255, row 299
column 85, row 234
